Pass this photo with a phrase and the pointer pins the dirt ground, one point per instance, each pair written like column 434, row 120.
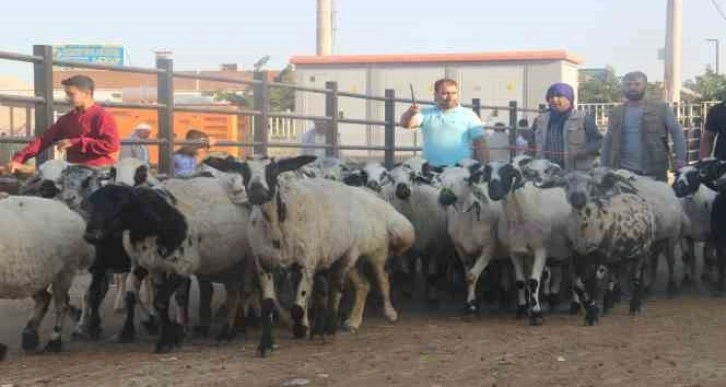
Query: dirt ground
column 677, row 342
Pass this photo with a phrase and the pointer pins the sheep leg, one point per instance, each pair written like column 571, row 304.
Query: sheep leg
column 319, row 305
column 181, row 298
column 609, row 297
column 229, row 329
column 518, row 263
column 535, row 308
column 709, row 263
column 97, row 292
column 588, row 302
column 688, row 256
column 120, row 281
column 472, row 278
column 379, row 270
column 670, row 255
column 206, row 292
column 638, row 272
column 30, row 338
column 299, row 310
column 556, row 272
column 171, row 332
column 721, row 269
column 362, row 287
column 267, row 286
column 132, row 299
column 60, row 298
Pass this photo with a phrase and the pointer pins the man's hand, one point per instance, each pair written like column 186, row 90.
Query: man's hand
column 63, row 144
column 14, row 166
column 414, row 109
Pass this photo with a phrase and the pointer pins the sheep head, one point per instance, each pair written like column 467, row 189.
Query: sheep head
column 687, row 181
column 503, row 179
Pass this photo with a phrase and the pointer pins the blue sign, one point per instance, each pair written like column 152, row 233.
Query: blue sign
column 93, row 53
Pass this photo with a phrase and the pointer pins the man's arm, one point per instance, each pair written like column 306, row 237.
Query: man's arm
column 709, row 134
column 679, row 139
column 606, row 144
column 39, row 144
column 411, row 118
column 105, row 143
column 478, row 140
column 593, row 137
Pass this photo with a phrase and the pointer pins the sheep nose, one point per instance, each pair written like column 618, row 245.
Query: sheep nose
column 403, row 191
column 447, row 198
column 374, row 185
column 577, row 200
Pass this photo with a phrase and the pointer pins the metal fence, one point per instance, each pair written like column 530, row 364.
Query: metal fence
column 263, row 130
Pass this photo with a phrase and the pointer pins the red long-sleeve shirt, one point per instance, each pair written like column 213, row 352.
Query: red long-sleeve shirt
column 93, row 134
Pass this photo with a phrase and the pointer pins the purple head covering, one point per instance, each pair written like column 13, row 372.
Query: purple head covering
column 561, row 89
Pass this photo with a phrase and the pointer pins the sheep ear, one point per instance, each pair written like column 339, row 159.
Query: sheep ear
column 293, row 163
column 479, row 194
column 141, row 175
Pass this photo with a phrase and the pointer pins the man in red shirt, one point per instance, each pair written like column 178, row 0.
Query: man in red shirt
column 88, row 133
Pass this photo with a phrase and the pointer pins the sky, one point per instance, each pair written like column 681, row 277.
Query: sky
column 203, row 34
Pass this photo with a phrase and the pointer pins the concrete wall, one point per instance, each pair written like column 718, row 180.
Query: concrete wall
column 495, row 83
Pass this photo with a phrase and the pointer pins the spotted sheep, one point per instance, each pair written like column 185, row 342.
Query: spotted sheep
column 319, row 228
column 670, row 219
column 605, row 231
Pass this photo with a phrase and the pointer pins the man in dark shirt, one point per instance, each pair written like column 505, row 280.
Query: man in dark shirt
column 715, row 130
column 88, row 133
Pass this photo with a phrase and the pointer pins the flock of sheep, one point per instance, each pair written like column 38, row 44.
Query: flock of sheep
column 289, row 238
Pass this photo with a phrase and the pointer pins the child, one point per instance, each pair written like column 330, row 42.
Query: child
column 185, row 158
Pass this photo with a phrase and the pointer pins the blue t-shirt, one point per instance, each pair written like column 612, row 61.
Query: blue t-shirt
column 447, row 135
column 184, row 165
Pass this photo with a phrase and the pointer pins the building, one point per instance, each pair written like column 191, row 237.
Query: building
column 495, row 77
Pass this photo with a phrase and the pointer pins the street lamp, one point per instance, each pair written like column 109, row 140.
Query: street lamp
column 716, row 44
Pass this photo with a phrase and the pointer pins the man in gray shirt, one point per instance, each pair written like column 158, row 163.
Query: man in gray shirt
column 637, row 137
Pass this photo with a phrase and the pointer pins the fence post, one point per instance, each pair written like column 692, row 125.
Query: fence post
column 331, row 110
column 165, row 96
column 43, row 85
column 389, row 112
column 476, row 106
column 512, row 128
column 262, row 103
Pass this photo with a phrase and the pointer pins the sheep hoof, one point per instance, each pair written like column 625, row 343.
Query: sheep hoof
column 151, row 326
column 170, row 338
column 75, row 313
column 617, row 294
column 298, row 329
column 574, row 308
column 521, row 312
column 30, row 340
column 687, row 282
column 227, row 333
column 470, row 309
column 672, row 289
column 3, row 351
column 349, row 326
column 201, row 330
column 635, row 306
column 607, row 302
column 592, row 315
column 127, row 335
column 554, row 300
column 536, row 318
column 54, row 346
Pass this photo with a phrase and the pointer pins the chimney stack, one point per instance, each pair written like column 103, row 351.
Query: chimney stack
column 324, row 27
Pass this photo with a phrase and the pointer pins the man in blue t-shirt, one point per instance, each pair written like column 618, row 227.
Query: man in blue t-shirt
column 450, row 131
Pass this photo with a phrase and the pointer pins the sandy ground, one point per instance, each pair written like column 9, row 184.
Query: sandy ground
column 677, row 342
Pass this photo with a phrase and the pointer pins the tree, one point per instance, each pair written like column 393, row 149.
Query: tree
column 283, row 99
column 707, row 87
column 600, row 89
column 261, row 63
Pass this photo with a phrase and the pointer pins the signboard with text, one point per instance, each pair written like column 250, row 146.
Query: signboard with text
column 90, row 53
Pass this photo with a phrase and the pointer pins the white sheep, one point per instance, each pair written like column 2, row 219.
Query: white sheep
column 320, row 225
column 697, row 202
column 537, row 222
column 180, row 228
column 34, row 256
column 476, row 224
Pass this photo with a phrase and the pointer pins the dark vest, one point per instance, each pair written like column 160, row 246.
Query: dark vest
column 573, row 133
column 654, row 137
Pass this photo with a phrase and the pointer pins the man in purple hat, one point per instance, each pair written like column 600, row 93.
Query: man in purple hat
column 563, row 135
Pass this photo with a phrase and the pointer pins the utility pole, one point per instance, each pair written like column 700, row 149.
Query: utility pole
column 718, row 55
column 674, row 25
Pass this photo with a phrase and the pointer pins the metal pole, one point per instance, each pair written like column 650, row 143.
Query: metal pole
column 389, row 112
column 331, row 110
column 165, row 96
column 512, row 127
column 476, row 106
column 43, row 85
column 716, row 45
column 673, row 50
column 262, row 103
